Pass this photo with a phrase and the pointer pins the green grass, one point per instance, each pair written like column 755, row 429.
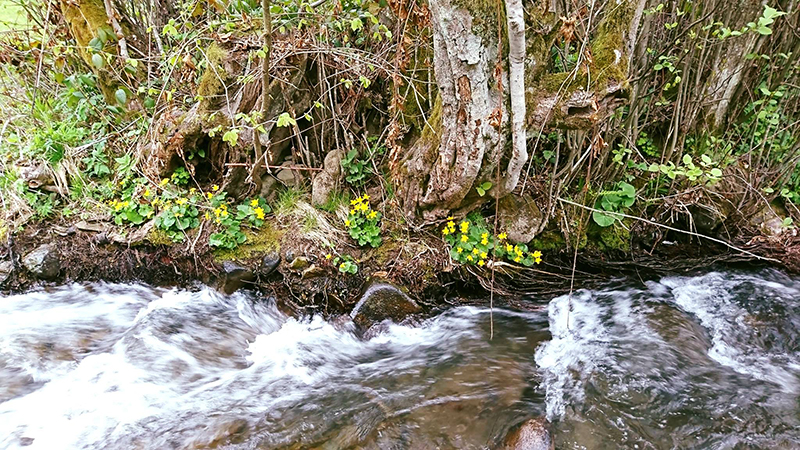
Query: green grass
column 12, row 16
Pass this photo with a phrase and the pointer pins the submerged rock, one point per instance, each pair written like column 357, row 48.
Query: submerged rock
column 520, row 217
column 382, row 301
column 533, row 434
column 43, row 262
column 234, row 277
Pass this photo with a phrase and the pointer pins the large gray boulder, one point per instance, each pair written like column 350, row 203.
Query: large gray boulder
column 533, row 434
column 382, row 301
column 327, row 181
column 43, row 262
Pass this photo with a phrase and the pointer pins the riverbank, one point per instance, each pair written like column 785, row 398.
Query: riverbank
column 295, row 256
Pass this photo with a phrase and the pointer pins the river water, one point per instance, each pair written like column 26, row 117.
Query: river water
column 709, row 361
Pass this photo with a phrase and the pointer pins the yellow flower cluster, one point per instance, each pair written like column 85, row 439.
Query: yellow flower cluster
column 361, row 204
column 259, row 211
column 221, row 212
column 450, row 227
column 118, row 205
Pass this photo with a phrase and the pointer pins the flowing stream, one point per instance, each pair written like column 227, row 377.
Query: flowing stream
column 711, row 361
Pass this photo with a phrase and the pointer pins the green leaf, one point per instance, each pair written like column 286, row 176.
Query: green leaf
column 771, row 13
column 98, row 61
column 284, row 120
column 715, row 172
column 121, row 96
column 231, row 137
column 602, row 219
column 356, row 24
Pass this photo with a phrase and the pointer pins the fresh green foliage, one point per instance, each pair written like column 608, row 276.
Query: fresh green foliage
column 97, row 162
column 613, row 202
column 345, row 264
column 363, row 223
column 356, row 170
column 180, row 177
column 474, row 244
column 483, row 188
column 705, row 171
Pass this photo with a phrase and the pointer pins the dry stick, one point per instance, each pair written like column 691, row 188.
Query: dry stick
column 112, row 17
column 691, row 233
column 255, row 175
column 311, row 169
column 497, row 168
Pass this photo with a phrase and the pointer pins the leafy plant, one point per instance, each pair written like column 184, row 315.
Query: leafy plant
column 472, row 243
column 355, row 169
column 346, row 264
column 180, row 177
column 613, row 202
column 483, row 188
column 97, row 162
column 363, row 224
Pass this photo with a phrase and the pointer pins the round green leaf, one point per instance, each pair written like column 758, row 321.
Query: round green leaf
column 121, row 96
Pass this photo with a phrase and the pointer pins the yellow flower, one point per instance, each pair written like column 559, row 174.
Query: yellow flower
column 484, row 255
column 192, row 190
column 155, row 201
column 475, row 251
column 459, row 249
column 217, row 211
column 366, row 197
column 450, row 218
column 517, row 259
column 484, row 241
column 481, row 263
column 352, row 212
column 215, row 188
column 502, row 236
column 464, row 226
column 372, row 215
column 341, row 265
column 164, row 181
column 353, row 202
column 328, row 256
column 254, row 202
column 347, row 223
column 509, row 248
column 537, row 254
column 445, row 231
column 181, row 201
column 464, row 238
column 470, row 258
column 207, row 216
column 451, row 224
column 146, row 193
column 538, row 260
column 484, row 235
column 259, row 213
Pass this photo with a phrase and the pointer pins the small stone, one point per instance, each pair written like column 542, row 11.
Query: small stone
column 533, row 434
column 289, row 256
column 43, row 262
column 312, row 271
column 6, row 269
column 382, row 301
column 234, row 277
column 299, row 263
column 269, row 263
column 520, row 217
